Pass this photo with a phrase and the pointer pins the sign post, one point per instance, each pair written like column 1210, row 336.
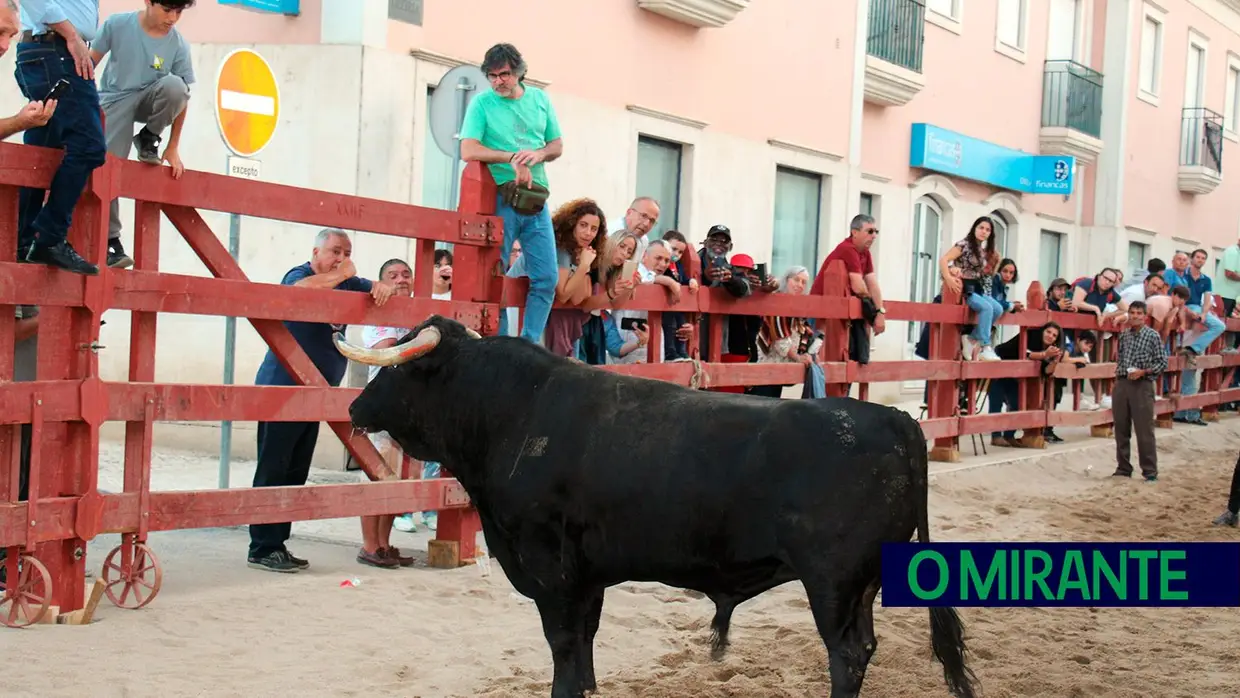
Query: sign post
column 447, row 112
column 247, row 110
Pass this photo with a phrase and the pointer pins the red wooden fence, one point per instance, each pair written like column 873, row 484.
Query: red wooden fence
column 45, row 537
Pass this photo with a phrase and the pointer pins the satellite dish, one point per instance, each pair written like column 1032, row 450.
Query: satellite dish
column 449, row 101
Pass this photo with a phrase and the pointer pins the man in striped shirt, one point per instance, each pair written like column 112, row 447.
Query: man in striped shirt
column 1141, row 358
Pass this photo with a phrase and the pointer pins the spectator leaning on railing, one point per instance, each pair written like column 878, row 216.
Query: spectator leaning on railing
column 786, row 339
column 640, row 218
column 579, row 227
column 650, row 272
column 676, row 330
column 377, row 549
column 854, row 253
column 285, row 449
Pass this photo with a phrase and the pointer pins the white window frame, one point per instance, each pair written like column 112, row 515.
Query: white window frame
column 670, row 213
column 816, row 236
column 1158, row 15
column 1145, row 255
column 1198, row 40
column 1231, row 110
column 953, row 23
column 1062, row 246
column 1016, row 53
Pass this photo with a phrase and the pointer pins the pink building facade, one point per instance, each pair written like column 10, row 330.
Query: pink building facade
column 782, row 119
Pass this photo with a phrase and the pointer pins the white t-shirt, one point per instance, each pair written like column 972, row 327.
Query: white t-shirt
column 372, row 334
column 1133, row 293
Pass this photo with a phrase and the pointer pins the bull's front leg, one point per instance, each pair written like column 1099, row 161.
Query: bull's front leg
column 563, row 615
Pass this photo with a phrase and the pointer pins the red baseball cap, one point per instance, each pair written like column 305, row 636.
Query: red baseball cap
column 742, row 260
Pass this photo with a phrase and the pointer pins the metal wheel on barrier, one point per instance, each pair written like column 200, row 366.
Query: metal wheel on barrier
column 137, row 574
column 25, row 591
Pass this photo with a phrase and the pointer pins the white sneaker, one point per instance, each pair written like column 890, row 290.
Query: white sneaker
column 988, row 354
column 1088, row 405
column 405, row 523
column 967, row 344
column 1106, row 402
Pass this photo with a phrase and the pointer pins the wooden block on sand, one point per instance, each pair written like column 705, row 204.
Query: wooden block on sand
column 443, row 554
column 49, row 616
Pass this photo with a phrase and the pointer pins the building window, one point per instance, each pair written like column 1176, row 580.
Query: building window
column 798, row 199
column 1050, row 256
column 1151, row 54
column 1137, row 257
column 925, row 282
column 658, row 176
column 867, row 205
column 1001, row 232
column 947, row 8
column 1011, row 29
column 436, row 167
column 1231, row 107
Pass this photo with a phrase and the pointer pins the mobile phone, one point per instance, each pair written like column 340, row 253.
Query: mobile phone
column 762, row 272
column 629, row 323
column 61, row 86
column 630, row 268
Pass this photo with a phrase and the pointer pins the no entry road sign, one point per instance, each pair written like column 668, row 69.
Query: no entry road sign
column 247, row 102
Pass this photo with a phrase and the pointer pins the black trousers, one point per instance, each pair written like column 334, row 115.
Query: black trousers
column 1233, row 499
column 285, row 450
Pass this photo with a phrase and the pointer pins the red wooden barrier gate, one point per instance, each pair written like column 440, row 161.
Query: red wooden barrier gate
column 45, row 537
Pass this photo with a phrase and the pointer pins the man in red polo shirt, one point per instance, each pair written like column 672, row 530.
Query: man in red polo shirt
column 862, row 282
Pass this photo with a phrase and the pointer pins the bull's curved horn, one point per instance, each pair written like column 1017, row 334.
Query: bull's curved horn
column 426, row 340
column 472, row 334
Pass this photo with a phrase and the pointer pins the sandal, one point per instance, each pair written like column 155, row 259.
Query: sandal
column 393, row 553
column 377, row 559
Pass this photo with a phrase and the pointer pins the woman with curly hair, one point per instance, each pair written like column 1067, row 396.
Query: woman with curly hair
column 578, row 248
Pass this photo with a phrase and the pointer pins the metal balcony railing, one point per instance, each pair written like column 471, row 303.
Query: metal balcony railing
column 1072, row 97
column 1201, row 139
column 897, row 32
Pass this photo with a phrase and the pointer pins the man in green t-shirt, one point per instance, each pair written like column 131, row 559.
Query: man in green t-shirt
column 513, row 128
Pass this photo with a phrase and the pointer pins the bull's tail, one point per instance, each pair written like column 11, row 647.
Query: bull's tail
column 946, row 629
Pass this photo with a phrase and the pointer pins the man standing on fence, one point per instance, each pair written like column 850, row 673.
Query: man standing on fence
column 513, row 128
column 53, row 48
column 1141, row 359
column 285, row 449
column 146, row 81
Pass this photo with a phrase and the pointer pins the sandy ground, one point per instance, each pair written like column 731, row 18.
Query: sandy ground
column 221, row 629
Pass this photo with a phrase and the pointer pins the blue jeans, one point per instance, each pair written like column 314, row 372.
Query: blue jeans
column 76, row 128
column 1188, row 386
column 988, row 310
column 538, row 260
column 1214, row 328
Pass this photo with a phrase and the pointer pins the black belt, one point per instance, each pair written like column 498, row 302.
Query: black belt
column 29, row 37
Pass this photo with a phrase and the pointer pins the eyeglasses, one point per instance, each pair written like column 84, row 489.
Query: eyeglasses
column 502, row 75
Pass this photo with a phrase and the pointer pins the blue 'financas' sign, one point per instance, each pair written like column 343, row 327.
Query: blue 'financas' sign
column 284, row 7
column 955, row 154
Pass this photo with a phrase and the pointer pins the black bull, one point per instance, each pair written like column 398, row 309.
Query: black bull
column 584, row 479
